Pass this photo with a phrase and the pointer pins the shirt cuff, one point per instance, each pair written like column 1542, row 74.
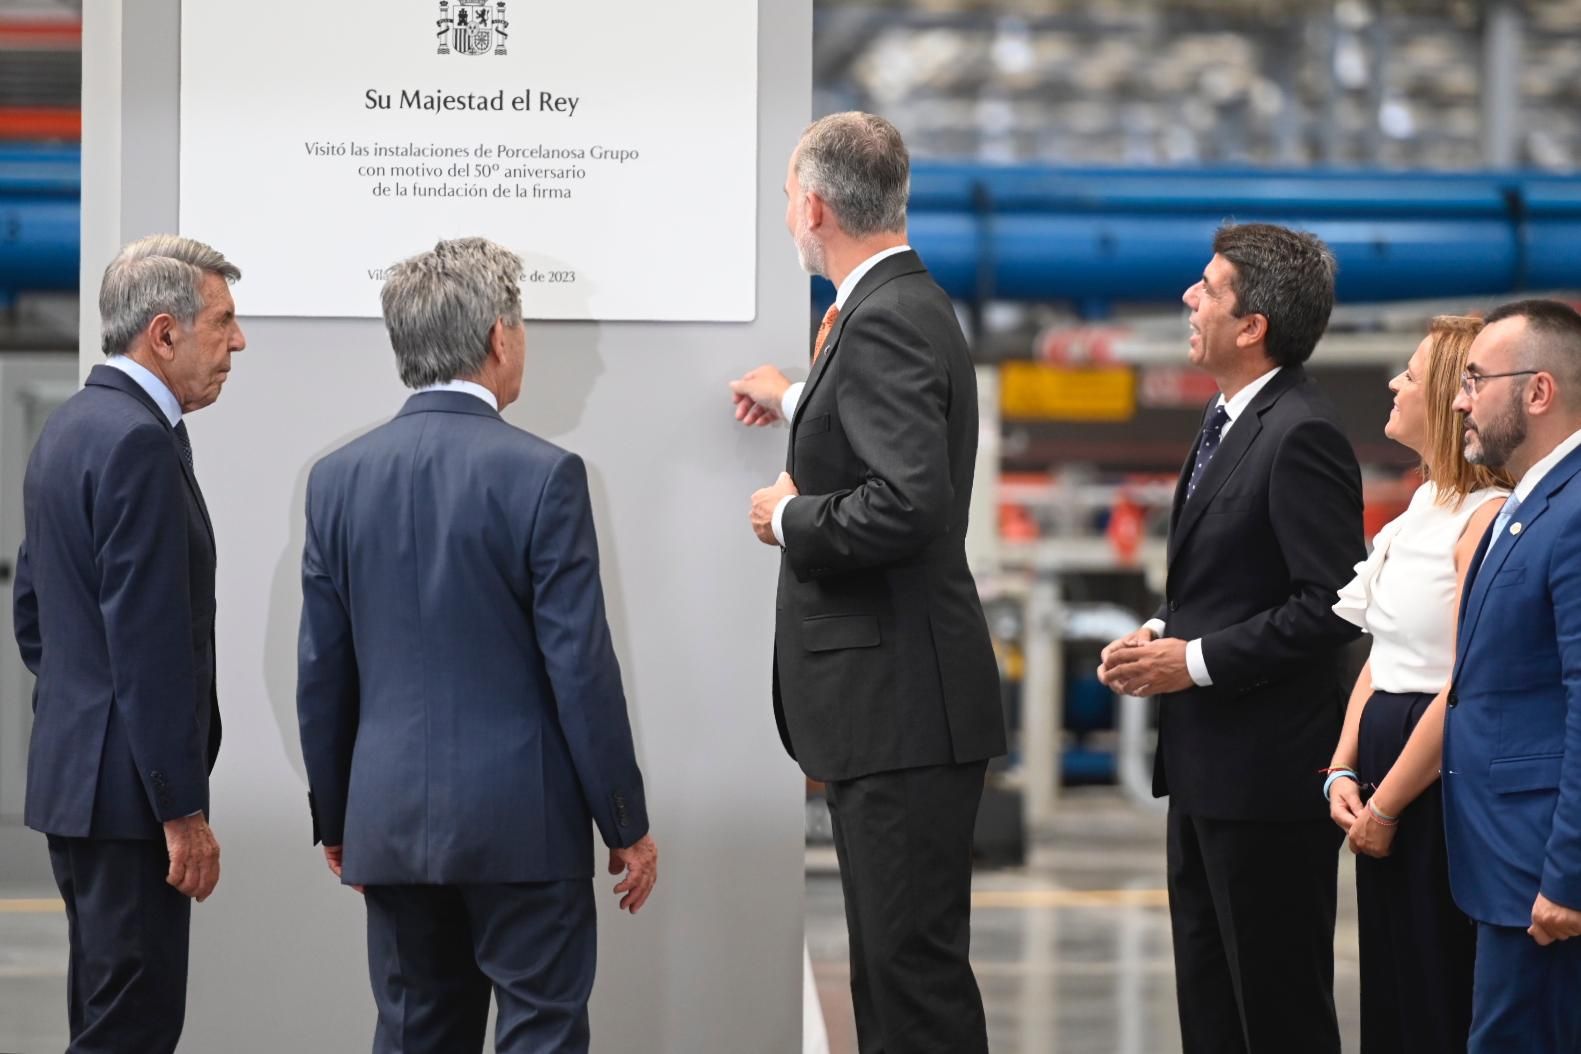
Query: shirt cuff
column 788, row 402
column 1156, row 625
column 778, row 522
column 1197, row 665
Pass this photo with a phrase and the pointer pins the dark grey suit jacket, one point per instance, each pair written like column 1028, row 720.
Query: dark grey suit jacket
column 881, row 653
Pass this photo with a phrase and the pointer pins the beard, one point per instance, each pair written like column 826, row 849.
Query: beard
column 1491, row 443
column 809, row 253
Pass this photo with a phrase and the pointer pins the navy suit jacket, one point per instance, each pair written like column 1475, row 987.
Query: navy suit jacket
column 461, row 708
column 1512, row 733
column 114, row 614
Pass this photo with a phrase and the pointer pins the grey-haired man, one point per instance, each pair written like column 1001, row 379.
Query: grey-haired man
column 114, row 614
column 461, row 709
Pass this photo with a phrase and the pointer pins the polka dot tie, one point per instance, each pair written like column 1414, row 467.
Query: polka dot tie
column 823, row 330
column 1207, row 447
column 185, row 443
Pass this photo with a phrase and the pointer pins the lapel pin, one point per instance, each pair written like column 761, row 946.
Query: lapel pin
column 1515, row 528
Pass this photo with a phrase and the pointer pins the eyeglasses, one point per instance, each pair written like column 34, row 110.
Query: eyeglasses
column 1470, row 382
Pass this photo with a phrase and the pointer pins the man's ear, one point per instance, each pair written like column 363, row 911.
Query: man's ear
column 498, row 347
column 161, row 333
column 1542, row 395
column 1251, row 329
column 817, row 212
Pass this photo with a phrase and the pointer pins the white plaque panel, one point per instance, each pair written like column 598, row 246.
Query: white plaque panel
column 612, row 143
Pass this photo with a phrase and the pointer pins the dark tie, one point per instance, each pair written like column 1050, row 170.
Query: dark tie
column 186, row 444
column 1208, row 446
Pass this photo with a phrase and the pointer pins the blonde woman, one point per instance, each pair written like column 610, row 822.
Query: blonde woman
column 1416, row 948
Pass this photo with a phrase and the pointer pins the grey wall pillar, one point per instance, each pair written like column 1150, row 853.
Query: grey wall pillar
column 713, row 965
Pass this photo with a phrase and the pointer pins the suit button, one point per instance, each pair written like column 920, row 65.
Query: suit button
column 1453, row 699
column 1174, row 605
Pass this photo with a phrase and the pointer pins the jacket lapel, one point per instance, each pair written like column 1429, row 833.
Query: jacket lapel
column 883, row 272
column 1514, row 533
column 110, row 377
column 1243, row 433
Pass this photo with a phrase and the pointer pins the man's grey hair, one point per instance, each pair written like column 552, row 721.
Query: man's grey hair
column 158, row 275
column 439, row 307
column 857, row 163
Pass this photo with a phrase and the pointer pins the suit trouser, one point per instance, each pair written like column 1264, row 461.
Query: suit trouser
column 904, row 842
column 127, row 975
column 436, row 952
column 1251, row 908
column 1526, row 998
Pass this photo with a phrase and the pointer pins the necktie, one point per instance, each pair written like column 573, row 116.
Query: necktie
column 1208, row 446
column 1512, row 506
column 823, row 330
column 186, row 444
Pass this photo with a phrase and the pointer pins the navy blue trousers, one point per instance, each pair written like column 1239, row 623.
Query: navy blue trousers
column 435, row 953
column 127, row 976
column 1526, row 998
column 1416, row 946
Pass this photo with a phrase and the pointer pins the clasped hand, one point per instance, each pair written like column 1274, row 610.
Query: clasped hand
column 1143, row 665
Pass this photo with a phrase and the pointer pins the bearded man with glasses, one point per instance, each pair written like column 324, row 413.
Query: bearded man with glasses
column 1512, row 730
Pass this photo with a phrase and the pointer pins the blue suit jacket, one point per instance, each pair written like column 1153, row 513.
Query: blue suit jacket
column 1512, row 734
column 461, row 709
column 114, row 614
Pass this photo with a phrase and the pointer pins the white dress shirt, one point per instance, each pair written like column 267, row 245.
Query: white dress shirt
column 470, row 387
column 792, row 395
column 1233, row 409
column 151, row 384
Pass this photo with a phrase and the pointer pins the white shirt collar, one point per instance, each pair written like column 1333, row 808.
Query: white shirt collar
column 1243, row 398
column 470, row 387
column 1535, row 474
column 848, row 286
column 150, row 383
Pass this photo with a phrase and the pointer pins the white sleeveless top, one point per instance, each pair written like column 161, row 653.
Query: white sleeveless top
column 1404, row 593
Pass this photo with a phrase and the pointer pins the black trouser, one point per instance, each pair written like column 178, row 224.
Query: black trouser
column 436, row 952
column 1251, row 906
column 904, row 842
column 126, row 981
column 1417, row 949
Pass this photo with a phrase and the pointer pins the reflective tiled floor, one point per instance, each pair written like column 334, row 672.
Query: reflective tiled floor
column 1072, row 952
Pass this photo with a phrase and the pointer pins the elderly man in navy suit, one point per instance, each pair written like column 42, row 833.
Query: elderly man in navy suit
column 115, row 617
column 461, row 708
column 1512, row 731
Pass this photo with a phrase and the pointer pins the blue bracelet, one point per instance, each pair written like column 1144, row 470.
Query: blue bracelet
column 1337, row 774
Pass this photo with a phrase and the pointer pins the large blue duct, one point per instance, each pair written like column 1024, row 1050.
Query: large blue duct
column 1088, row 237
column 1092, row 237
column 40, row 189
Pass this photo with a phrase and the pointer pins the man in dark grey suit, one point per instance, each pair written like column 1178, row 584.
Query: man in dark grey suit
column 115, row 617
column 885, row 685
column 461, row 709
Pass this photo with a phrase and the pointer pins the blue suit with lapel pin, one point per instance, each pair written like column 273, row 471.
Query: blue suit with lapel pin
column 1512, row 766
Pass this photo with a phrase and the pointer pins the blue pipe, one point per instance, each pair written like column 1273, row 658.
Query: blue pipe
column 40, row 228
column 1086, row 236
